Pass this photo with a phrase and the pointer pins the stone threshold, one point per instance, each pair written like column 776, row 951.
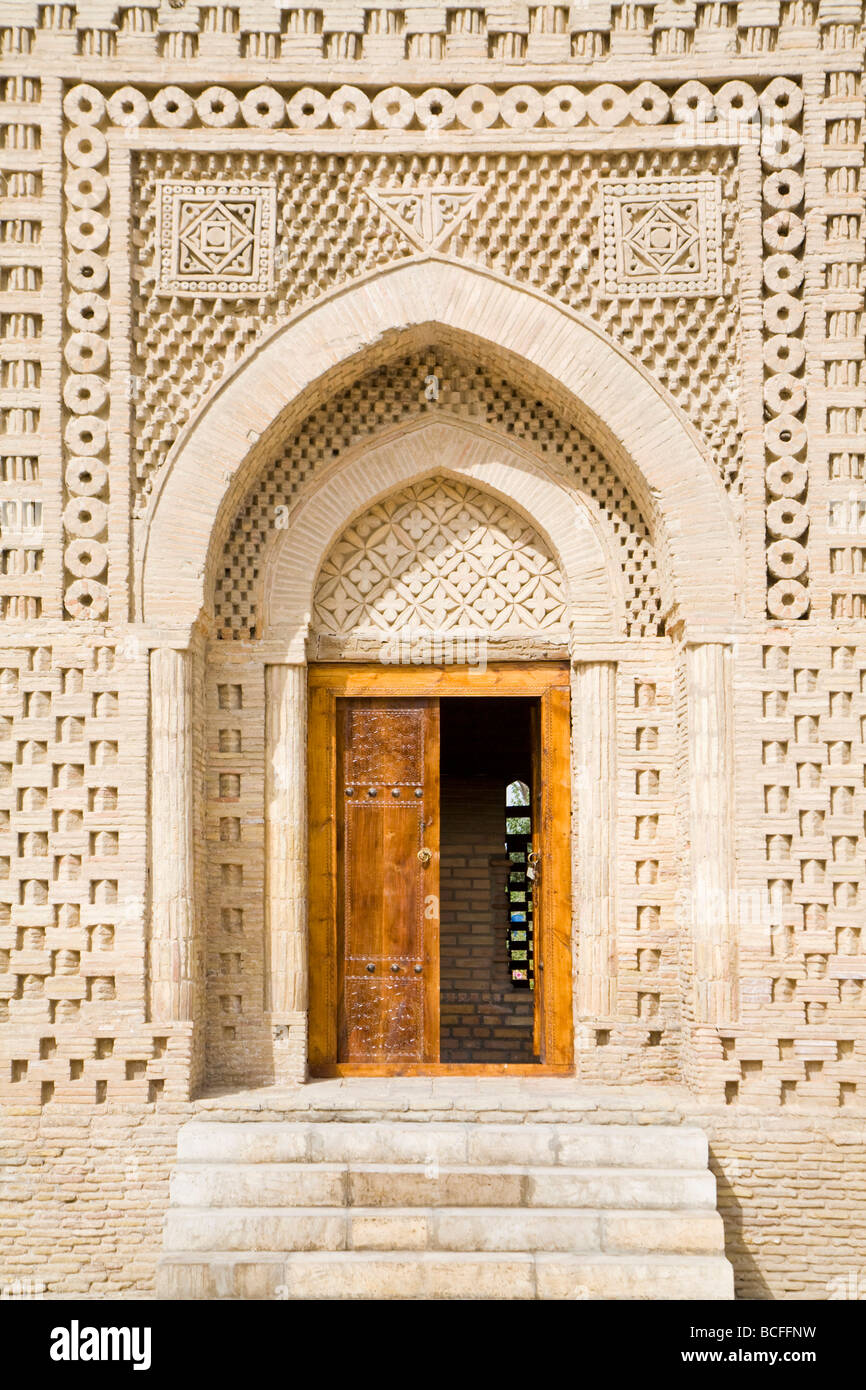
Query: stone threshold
column 480, row 1098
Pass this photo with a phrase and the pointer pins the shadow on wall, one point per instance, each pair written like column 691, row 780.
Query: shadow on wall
column 749, row 1282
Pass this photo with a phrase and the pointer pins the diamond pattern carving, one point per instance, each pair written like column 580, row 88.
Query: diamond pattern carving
column 442, row 556
column 215, row 238
column 329, row 232
column 662, row 236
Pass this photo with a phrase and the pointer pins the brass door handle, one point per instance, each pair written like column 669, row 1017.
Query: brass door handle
column 425, row 855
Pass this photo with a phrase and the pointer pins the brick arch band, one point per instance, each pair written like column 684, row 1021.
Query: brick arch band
column 590, row 572
column 627, row 415
column 240, row 427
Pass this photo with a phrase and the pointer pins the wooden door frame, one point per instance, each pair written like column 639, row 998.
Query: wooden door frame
column 548, row 681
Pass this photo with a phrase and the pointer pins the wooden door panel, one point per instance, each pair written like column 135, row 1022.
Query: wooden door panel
column 384, row 1019
column 383, row 888
column 553, row 886
column 388, row 811
column 384, row 742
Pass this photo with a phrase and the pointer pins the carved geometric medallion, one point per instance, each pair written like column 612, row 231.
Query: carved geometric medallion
column 662, row 236
column 427, row 216
column 215, row 238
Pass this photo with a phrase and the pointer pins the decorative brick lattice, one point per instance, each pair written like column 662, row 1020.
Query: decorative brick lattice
column 785, row 432
column 643, row 1039
column 26, row 423
column 650, row 983
column 662, row 237
column 397, row 394
column 86, row 358
column 802, row 940
column 329, row 232
column 72, row 807
column 236, row 1039
column 215, row 239
column 838, row 435
column 440, row 555
column 436, row 36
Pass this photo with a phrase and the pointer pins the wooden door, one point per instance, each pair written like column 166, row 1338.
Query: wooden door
column 552, row 838
column 388, row 869
column 371, row 902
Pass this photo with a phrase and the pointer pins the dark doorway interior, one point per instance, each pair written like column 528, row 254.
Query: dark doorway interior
column 486, row 1008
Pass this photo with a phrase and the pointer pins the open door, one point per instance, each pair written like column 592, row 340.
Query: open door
column 552, row 890
column 374, row 765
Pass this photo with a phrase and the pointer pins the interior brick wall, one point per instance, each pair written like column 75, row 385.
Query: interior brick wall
column 483, row 1017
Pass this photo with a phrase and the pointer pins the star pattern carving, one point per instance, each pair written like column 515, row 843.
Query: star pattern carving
column 442, row 556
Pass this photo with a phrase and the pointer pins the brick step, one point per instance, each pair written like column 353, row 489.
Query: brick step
column 458, row 1229
column 443, row 1275
column 413, row 1185
column 454, row 1142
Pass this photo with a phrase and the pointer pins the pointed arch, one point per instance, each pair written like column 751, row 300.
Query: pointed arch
column 435, row 448
column 618, row 404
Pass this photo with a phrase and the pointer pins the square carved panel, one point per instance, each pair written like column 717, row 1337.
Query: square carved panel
column 662, row 236
column 215, row 238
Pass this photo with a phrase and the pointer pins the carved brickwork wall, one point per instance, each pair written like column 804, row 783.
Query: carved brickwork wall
column 517, row 39
column 641, row 240
column 234, row 828
column 177, row 183
column 800, row 1036
column 644, row 1040
column 533, row 218
column 836, row 442
column 29, row 405
column 785, row 434
column 72, row 904
column 421, row 385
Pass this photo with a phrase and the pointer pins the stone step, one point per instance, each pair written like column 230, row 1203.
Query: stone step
column 412, row 1185
column 477, row 1229
column 455, row 1142
column 443, row 1275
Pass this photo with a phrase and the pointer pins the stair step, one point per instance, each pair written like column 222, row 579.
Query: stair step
column 410, row 1185
column 381, row 1208
column 455, row 1142
column 459, row 1229
column 443, row 1275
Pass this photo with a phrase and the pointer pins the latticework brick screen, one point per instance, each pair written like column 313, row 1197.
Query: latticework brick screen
column 397, row 395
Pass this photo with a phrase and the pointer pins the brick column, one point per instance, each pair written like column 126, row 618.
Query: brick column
column 711, row 839
column 286, row 867
column 172, row 939
column 593, row 699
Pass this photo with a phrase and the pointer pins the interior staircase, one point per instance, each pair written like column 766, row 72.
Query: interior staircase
column 374, row 1208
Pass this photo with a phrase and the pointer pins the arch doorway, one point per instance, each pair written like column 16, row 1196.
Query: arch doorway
column 439, row 915
column 610, row 585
